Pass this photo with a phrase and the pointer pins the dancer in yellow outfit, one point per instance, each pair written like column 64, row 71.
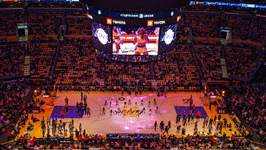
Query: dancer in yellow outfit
column 141, row 39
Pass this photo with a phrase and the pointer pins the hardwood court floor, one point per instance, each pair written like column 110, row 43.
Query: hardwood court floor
column 103, row 124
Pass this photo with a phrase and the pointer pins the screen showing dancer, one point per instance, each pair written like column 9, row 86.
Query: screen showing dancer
column 168, row 37
column 101, row 36
column 135, row 41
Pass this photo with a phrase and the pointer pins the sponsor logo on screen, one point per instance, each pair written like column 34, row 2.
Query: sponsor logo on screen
column 109, row 21
column 159, row 22
column 119, row 22
column 129, row 15
column 168, row 36
column 137, row 15
column 148, row 16
column 150, row 23
column 102, row 36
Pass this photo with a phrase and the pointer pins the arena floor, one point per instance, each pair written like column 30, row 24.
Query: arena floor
column 97, row 123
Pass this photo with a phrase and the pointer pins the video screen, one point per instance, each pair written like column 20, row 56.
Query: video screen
column 167, row 37
column 226, row 37
column 135, row 41
column 22, row 32
column 101, row 35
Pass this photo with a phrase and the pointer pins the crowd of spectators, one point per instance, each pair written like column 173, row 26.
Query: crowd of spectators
column 77, row 25
column 74, row 54
column 258, row 29
column 207, row 24
column 132, row 141
column 217, row 8
column 11, row 5
column 75, row 57
column 12, row 104
column 43, row 38
column 41, row 55
column 46, row 4
column 249, row 103
column 201, row 8
column 180, row 71
column 47, row 22
column 56, row 4
column 44, row 22
column 12, row 60
column 9, row 20
column 239, row 24
column 242, row 60
column 209, row 60
column 203, row 25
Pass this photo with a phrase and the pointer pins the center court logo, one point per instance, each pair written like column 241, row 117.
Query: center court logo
column 130, row 111
column 101, row 35
column 168, row 36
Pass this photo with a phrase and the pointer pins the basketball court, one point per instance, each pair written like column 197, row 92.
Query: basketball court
column 97, row 123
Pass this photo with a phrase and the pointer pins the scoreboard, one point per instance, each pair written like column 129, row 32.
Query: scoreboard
column 133, row 37
column 22, row 32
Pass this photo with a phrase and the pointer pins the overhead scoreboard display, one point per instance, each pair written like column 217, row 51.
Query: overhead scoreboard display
column 22, row 32
column 226, row 36
column 133, row 37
